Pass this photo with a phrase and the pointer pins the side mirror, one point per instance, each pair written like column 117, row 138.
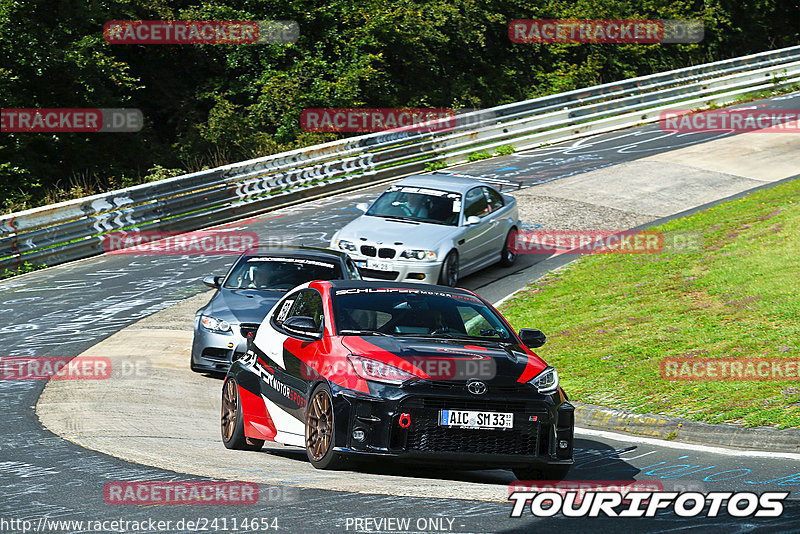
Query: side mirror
column 214, row 282
column 302, row 325
column 363, row 206
column 532, row 338
column 473, row 219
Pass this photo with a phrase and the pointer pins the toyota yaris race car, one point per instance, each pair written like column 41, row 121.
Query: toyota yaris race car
column 401, row 371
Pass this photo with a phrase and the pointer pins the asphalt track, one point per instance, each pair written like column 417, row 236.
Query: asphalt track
column 64, row 310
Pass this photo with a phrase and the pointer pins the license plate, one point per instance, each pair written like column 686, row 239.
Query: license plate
column 471, row 419
column 379, row 265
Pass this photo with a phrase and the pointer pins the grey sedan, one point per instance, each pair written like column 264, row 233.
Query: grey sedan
column 432, row 229
column 255, row 282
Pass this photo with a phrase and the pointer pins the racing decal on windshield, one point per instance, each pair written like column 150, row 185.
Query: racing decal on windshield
column 423, row 191
column 294, row 260
column 361, row 290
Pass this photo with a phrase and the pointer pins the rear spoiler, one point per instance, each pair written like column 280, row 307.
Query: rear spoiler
column 500, row 184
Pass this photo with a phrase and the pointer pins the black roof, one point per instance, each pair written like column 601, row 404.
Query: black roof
column 349, row 284
column 296, row 252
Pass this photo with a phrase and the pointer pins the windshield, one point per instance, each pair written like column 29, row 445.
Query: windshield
column 280, row 273
column 415, row 312
column 418, row 204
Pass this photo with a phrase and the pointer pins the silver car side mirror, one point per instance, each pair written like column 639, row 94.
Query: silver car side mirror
column 362, row 206
column 473, row 219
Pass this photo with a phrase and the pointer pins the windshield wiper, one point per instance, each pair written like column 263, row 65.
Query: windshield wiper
column 364, row 333
column 447, row 335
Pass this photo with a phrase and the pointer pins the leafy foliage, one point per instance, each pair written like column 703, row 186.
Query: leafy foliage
column 213, row 104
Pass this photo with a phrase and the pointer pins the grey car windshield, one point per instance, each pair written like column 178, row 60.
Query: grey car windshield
column 415, row 313
column 418, row 204
column 280, row 273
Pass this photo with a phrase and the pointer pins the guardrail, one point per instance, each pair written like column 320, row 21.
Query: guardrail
column 75, row 229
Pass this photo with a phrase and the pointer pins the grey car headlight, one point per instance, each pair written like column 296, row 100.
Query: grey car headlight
column 214, row 324
column 346, row 245
column 429, row 255
column 546, row 381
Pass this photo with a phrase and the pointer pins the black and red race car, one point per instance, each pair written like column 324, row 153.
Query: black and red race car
column 387, row 369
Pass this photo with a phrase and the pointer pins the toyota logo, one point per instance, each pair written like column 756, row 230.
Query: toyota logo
column 476, row 387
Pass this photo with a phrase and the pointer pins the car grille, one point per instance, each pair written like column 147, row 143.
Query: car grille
column 387, row 253
column 441, row 403
column 380, row 275
column 428, row 436
column 368, row 250
column 248, row 329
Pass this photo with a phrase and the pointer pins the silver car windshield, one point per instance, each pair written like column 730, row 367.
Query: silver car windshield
column 418, row 204
column 425, row 313
column 280, row 273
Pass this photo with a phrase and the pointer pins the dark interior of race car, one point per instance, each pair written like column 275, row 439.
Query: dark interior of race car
column 407, row 315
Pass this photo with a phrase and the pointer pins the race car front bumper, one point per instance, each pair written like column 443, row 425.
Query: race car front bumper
column 408, row 428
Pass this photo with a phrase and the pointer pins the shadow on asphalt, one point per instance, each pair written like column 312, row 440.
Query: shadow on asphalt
column 590, row 451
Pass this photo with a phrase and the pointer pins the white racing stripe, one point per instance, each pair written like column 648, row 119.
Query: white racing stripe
column 629, row 438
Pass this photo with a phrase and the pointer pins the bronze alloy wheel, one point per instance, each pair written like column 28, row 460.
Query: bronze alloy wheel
column 230, row 410
column 319, row 427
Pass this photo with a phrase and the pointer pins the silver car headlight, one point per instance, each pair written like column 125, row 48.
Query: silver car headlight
column 214, row 324
column 346, row 245
column 546, row 381
column 414, row 254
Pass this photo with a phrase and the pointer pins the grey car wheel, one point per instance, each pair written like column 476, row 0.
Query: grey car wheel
column 509, row 255
column 449, row 274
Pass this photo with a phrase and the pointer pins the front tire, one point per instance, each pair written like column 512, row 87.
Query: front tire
column 231, row 421
column 320, row 429
column 508, row 254
column 449, row 274
column 543, row 472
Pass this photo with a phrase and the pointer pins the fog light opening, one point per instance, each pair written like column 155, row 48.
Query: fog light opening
column 416, row 276
column 359, row 435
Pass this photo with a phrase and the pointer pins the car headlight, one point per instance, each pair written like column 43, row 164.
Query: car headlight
column 370, row 369
column 346, row 245
column 415, row 254
column 546, row 381
column 214, row 324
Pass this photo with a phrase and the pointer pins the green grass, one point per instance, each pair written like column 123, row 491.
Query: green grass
column 610, row 319
column 26, row 267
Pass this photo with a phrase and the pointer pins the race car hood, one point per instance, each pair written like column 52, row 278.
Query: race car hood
column 396, row 232
column 450, row 359
column 242, row 305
